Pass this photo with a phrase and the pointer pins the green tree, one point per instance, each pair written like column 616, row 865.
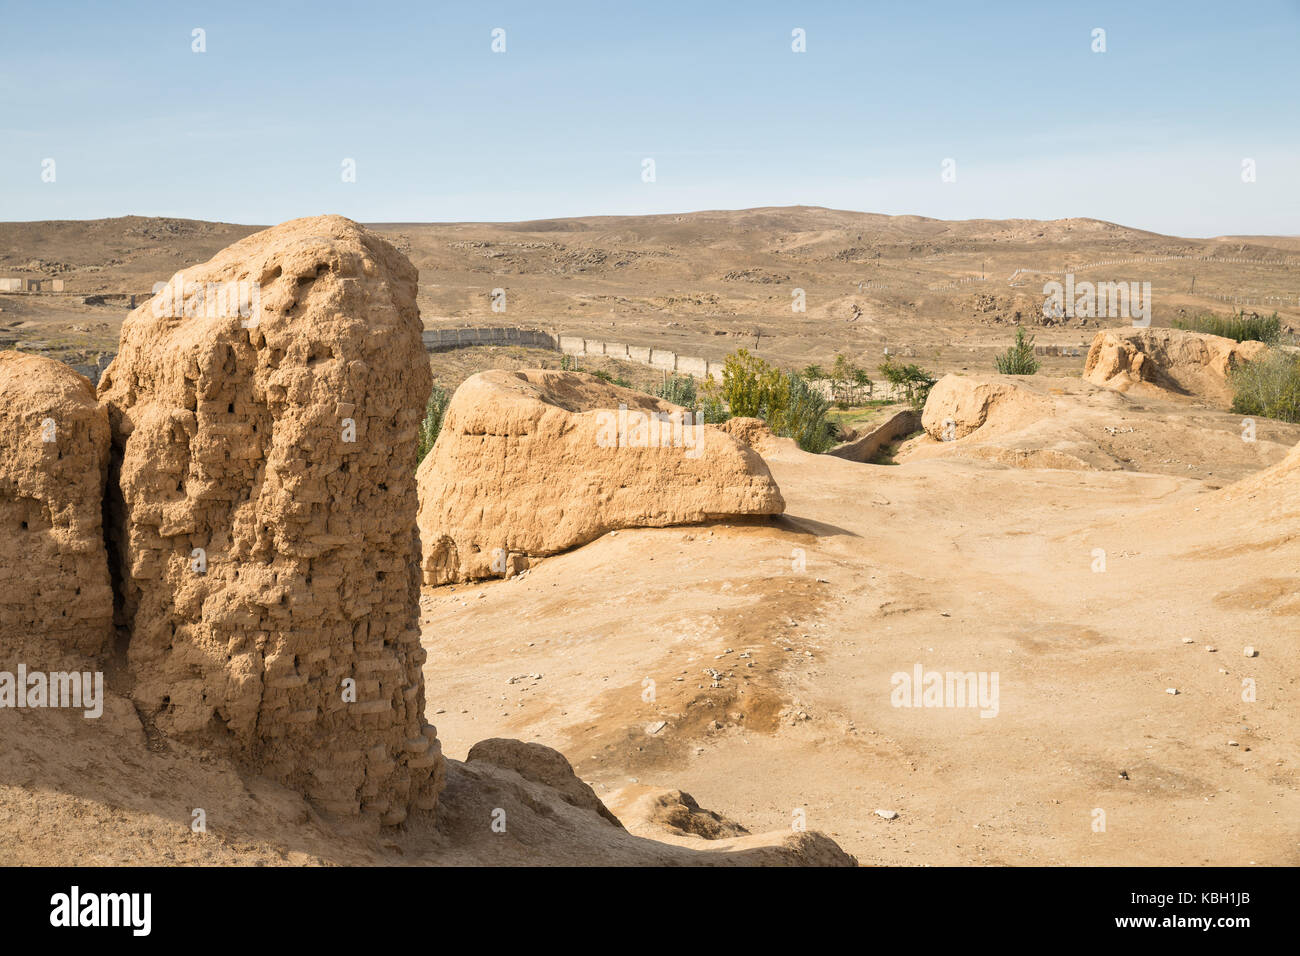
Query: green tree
column 750, row 387
column 1018, row 359
column 712, row 408
column 914, row 381
column 791, row 406
column 802, row 416
column 860, row 381
column 842, row 379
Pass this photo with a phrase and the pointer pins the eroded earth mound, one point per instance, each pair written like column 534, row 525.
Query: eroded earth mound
column 1033, row 421
column 1191, row 364
column 959, row 405
column 532, row 463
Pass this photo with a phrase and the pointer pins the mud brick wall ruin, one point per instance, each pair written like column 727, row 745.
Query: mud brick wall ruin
column 55, row 597
column 532, row 463
column 262, row 504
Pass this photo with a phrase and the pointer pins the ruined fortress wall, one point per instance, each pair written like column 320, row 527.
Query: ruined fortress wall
column 265, row 508
column 55, row 599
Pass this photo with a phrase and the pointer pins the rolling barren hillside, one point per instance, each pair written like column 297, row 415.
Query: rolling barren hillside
column 705, row 283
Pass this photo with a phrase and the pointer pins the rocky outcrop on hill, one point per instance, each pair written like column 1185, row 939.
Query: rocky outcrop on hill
column 533, row 463
column 264, row 506
column 541, row 764
column 1187, row 363
column 55, row 598
column 959, row 405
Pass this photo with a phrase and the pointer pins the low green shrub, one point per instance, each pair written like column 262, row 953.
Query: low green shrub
column 1268, row 387
column 1239, row 326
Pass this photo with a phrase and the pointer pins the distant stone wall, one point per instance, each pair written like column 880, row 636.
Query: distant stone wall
column 576, row 345
column 665, row 359
column 438, row 339
column 879, row 390
column 696, row 367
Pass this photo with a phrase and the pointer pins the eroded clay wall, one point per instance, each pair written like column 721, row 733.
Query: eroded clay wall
column 56, row 604
column 265, row 514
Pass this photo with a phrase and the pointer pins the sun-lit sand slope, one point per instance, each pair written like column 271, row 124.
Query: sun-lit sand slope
column 772, row 649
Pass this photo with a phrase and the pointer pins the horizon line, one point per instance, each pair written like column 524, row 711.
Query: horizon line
column 653, row 215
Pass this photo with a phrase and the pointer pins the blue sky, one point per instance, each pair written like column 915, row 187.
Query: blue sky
column 1150, row 133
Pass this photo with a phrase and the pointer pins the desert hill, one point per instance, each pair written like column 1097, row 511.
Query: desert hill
column 704, row 283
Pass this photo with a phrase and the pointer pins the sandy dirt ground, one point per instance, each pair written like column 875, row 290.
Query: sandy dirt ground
column 772, row 648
